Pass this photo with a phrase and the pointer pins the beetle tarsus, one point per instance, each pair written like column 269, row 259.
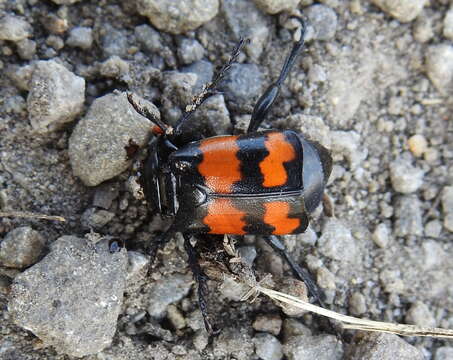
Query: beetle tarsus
column 299, row 272
column 202, row 280
column 265, row 102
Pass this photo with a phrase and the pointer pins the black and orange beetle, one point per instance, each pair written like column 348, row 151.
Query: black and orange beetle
column 263, row 183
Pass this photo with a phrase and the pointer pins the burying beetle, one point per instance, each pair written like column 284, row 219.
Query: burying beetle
column 261, row 183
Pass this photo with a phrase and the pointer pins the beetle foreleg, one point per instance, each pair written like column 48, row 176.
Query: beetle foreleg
column 201, row 278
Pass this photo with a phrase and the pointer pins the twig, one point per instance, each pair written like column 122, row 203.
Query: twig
column 24, row 214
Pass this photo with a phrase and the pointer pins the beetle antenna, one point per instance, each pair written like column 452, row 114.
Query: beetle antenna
column 147, row 113
column 210, row 89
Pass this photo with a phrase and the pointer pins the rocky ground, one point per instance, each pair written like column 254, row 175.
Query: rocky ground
column 374, row 85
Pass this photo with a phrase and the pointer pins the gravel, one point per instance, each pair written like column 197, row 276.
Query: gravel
column 254, row 26
column 166, row 291
column 439, row 67
column 420, row 315
column 72, row 298
column 267, row 347
column 97, row 145
column 56, row 96
column 276, row 6
column 80, row 37
column 243, row 84
column 178, row 17
column 321, row 347
column 270, row 323
column 21, row 247
column 404, row 10
column 323, row 20
column 448, row 24
column 375, row 93
column 405, row 177
column 14, row 28
column 190, row 51
column 408, row 215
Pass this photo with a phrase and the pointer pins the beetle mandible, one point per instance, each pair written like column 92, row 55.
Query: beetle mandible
column 262, row 183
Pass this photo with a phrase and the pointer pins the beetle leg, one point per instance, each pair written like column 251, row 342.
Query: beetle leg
column 265, row 102
column 201, row 278
column 300, row 273
column 210, row 89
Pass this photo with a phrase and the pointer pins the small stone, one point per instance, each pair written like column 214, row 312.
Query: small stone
column 26, row 49
column 21, row 76
column 200, row 340
column 337, row 242
column 176, row 317
column 190, row 50
column 233, row 290
column 433, row 228
column 105, row 194
column 391, row 280
column 81, row 37
column 55, row 41
column 403, row 10
column 58, row 298
column 14, row 28
column 325, row 279
column 267, row 347
column 97, row 146
column 448, row 222
column 115, row 42
column 243, row 84
column 213, row 116
column 317, row 74
column 357, row 304
column 321, row 347
column 347, row 144
column 21, row 247
column 447, row 199
column 136, row 263
column 293, row 327
column 444, row 353
column 65, row 2
column 149, row 38
column 248, row 254
column 374, row 346
column 275, row 6
column 114, row 67
column 439, row 67
column 420, row 315
column 270, row 323
column 204, row 71
column 423, row 29
column 55, row 24
column 448, row 24
column 297, row 289
column 233, row 343
column 324, row 21
column 381, row 235
column 417, row 145
column 405, row 178
column 167, row 290
column 96, row 218
column 408, row 215
column 254, row 26
column 431, row 155
column 180, row 16
column 56, row 96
